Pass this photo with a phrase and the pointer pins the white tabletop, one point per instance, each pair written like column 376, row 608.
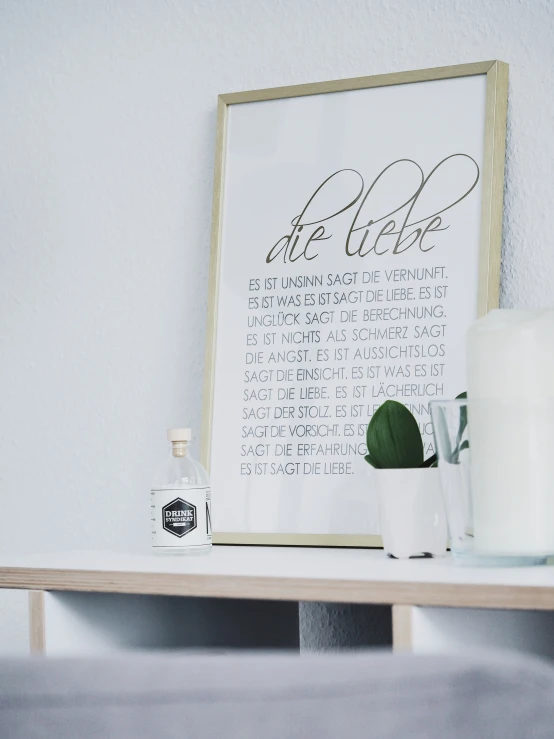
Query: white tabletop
column 281, row 573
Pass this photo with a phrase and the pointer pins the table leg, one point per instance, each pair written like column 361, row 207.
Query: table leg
column 36, row 621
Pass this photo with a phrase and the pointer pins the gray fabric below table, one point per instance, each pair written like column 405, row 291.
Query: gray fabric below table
column 331, row 696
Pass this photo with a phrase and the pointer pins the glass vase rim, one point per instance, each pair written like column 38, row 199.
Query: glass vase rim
column 510, row 399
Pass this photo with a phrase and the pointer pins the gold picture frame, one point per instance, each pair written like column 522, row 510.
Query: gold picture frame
column 489, row 249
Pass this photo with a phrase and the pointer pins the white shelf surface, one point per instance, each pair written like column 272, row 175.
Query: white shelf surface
column 278, row 573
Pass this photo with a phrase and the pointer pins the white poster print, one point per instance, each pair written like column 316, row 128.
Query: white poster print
column 348, row 276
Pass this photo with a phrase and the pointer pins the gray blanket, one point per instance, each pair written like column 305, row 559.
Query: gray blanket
column 270, row 696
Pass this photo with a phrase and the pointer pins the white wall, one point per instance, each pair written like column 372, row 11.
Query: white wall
column 106, row 150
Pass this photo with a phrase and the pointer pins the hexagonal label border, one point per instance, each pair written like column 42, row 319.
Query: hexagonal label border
column 171, row 530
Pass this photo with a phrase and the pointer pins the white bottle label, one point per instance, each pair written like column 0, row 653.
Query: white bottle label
column 181, row 517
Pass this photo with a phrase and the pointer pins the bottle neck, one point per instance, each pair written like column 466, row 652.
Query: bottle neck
column 179, row 448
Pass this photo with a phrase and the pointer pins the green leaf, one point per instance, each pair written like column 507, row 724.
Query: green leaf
column 463, row 418
column 368, row 458
column 393, row 437
column 431, row 461
column 454, row 456
column 459, row 449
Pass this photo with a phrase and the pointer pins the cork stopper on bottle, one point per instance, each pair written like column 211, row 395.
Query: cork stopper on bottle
column 179, row 439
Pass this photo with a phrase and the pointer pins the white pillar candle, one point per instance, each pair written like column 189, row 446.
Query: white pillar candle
column 510, row 356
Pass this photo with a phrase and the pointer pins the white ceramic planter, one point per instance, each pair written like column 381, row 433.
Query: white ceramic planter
column 411, row 512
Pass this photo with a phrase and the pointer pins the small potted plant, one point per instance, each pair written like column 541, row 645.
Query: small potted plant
column 411, row 509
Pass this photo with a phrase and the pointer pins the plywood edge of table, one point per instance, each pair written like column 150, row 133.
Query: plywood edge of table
column 441, row 594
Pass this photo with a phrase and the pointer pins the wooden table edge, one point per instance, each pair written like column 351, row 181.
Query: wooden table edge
column 282, row 588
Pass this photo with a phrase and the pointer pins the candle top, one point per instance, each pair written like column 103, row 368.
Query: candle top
column 528, row 321
column 510, row 354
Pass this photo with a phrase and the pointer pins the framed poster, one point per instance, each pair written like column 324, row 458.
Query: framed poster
column 356, row 236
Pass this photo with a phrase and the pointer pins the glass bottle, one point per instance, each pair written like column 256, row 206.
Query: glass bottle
column 180, row 501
